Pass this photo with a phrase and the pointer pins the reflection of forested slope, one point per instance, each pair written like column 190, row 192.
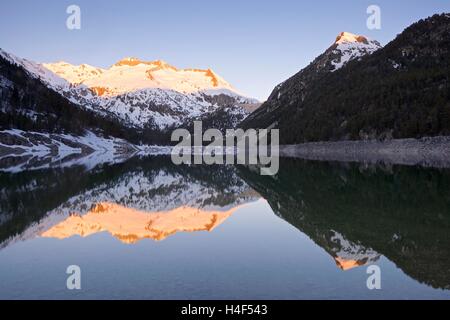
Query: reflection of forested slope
column 25, row 197
column 148, row 184
column 403, row 214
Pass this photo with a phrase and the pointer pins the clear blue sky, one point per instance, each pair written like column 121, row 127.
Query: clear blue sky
column 253, row 44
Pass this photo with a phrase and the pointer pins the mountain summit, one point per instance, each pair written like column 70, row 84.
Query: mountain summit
column 350, row 37
column 349, row 46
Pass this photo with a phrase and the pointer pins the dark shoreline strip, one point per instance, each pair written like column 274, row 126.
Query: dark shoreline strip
column 428, row 152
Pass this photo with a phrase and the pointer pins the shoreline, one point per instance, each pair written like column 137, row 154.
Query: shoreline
column 427, row 152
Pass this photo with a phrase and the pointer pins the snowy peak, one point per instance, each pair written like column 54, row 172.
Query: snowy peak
column 141, row 94
column 349, row 46
column 132, row 62
column 73, row 74
column 129, row 61
column 345, row 37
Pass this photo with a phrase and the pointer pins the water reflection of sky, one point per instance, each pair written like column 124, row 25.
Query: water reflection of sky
column 251, row 254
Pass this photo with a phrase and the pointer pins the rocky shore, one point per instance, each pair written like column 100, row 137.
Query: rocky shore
column 22, row 150
column 429, row 152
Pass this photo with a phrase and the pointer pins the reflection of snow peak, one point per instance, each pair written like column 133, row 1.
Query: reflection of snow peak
column 130, row 225
column 348, row 255
column 344, row 264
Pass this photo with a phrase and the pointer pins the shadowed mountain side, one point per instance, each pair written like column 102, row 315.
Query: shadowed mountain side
column 400, row 212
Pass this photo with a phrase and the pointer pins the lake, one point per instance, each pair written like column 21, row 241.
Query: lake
column 148, row 229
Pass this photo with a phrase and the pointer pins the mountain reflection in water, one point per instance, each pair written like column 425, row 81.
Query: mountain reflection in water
column 357, row 214
column 131, row 225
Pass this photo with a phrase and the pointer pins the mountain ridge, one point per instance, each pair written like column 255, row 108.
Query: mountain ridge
column 140, row 94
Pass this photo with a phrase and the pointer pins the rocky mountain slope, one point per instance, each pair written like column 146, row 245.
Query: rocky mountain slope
column 399, row 91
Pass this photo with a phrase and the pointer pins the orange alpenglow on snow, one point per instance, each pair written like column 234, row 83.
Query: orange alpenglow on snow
column 133, row 74
column 132, row 62
column 99, row 91
column 350, row 37
column 345, row 264
column 131, row 225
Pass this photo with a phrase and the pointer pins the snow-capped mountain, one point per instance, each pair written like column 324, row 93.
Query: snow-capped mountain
column 347, row 47
column 350, row 47
column 142, row 94
column 132, row 74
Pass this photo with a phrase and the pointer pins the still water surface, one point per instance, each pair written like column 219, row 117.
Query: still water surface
column 147, row 229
